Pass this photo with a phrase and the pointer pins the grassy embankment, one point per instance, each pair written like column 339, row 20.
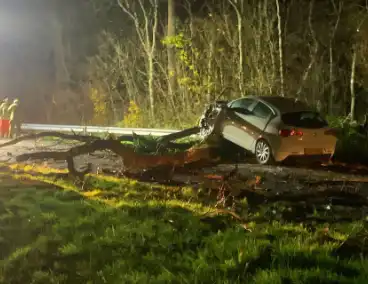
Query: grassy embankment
column 123, row 231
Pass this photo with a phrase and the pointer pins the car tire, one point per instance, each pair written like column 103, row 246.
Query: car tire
column 263, row 153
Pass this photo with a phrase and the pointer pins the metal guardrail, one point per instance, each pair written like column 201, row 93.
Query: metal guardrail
column 96, row 129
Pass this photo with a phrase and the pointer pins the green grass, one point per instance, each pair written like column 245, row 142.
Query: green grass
column 123, row 231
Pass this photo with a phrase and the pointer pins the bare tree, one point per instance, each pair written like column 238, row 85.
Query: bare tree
column 146, row 32
column 62, row 75
column 352, row 84
column 353, row 64
column 170, row 48
column 239, row 49
column 270, row 20
column 313, row 54
column 281, row 57
column 210, row 58
column 337, row 11
column 238, row 6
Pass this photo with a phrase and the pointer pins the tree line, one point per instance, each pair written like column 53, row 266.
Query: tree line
column 158, row 63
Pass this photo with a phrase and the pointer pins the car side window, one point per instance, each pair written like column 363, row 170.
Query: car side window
column 262, row 111
column 242, row 103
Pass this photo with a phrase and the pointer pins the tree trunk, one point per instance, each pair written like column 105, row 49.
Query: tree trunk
column 314, row 53
column 177, row 135
column 150, row 86
column 281, row 59
column 332, row 79
column 269, row 33
column 114, row 110
column 170, row 49
column 352, row 85
column 240, row 47
column 151, row 47
column 240, row 42
column 62, row 75
column 131, row 159
column 147, row 36
column 210, row 65
column 331, row 57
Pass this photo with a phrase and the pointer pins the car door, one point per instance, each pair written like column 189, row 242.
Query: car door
column 236, row 127
column 261, row 115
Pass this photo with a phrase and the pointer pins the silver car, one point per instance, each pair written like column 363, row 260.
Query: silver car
column 276, row 128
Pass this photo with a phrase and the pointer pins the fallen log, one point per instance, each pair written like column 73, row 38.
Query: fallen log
column 156, row 146
column 131, row 160
column 177, row 135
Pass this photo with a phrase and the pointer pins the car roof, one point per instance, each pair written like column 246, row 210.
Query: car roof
column 284, row 105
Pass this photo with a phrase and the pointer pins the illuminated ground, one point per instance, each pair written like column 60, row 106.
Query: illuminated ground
column 122, row 231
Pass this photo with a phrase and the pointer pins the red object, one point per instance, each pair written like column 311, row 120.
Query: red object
column 296, row 132
column 293, row 132
column 284, row 132
column 4, row 127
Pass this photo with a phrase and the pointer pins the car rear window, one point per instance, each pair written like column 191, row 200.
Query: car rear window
column 262, row 111
column 242, row 103
column 304, row 119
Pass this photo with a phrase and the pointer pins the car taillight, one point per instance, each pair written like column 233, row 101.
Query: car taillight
column 292, row 132
column 284, row 132
column 295, row 132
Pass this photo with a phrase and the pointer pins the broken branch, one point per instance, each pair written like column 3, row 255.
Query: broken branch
column 177, row 135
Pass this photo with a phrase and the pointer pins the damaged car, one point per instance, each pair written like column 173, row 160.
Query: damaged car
column 272, row 128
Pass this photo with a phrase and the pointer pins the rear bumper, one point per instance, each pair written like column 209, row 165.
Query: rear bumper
column 307, row 158
column 282, row 156
column 295, row 149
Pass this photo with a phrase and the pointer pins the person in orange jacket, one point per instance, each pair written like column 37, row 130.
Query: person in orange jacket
column 4, row 116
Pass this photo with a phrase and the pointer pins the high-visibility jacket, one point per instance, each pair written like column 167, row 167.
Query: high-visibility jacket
column 13, row 111
column 4, row 110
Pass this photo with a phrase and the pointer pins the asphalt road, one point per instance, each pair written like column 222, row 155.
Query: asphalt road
column 8, row 154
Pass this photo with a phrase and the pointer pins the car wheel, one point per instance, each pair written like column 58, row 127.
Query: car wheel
column 263, row 152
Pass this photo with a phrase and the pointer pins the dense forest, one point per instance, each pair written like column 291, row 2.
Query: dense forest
column 157, row 63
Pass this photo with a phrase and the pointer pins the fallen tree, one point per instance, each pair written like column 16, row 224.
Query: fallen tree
column 131, row 160
column 165, row 140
